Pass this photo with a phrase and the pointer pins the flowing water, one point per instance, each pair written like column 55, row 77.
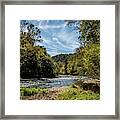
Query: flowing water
column 62, row 80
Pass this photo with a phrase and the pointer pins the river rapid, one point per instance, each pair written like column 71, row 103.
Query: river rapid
column 60, row 81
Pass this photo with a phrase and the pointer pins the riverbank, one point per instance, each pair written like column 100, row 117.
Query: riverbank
column 50, row 94
column 81, row 90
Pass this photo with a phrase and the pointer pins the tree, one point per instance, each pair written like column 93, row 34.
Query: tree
column 34, row 60
column 91, row 61
column 90, row 31
column 28, row 65
column 86, row 59
column 65, row 66
column 85, row 62
column 31, row 31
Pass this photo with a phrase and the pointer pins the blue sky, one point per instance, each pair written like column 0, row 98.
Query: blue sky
column 57, row 37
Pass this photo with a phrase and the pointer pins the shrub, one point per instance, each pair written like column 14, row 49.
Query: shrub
column 77, row 94
column 31, row 91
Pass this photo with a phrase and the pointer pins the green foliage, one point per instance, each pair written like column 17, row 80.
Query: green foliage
column 31, row 91
column 90, row 31
column 34, row 60
column 61, row 57
column 86, row 60
column 61, row 61
column 91, row 61
column 47, row 68
column 74, row 93
column 31, row 31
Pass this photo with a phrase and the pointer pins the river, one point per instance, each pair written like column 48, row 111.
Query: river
column 60, row 81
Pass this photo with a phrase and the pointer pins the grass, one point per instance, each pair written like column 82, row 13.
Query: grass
column 31, row 91
column 74, row 93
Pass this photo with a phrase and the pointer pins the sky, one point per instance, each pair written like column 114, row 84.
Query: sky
column 57, row 36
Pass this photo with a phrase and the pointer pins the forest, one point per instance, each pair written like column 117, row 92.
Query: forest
column 37, row 63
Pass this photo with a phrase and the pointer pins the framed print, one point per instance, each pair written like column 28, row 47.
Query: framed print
column 59, row 59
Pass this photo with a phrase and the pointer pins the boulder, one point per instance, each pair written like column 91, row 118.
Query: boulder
column 89, row 84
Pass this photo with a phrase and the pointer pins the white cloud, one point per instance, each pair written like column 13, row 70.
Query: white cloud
column 46, row 26
column 68, row 38
column 60, row 44
column 57, row 41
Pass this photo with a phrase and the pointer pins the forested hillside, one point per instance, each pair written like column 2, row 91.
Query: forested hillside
column 34, row 59
column 35, row 62
column 86, row 60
